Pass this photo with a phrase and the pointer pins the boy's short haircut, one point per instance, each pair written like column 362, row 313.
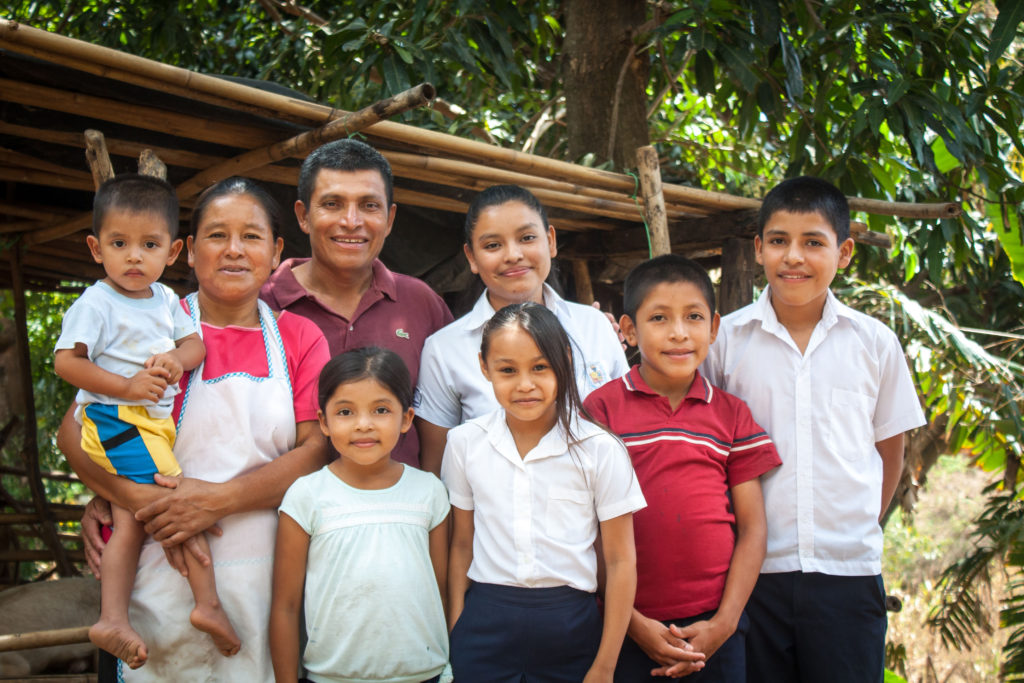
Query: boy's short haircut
column 808, row 194
column 664, row 269
column 344, row 155
column 136, row 193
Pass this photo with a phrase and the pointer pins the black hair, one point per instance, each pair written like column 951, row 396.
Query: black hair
column 136, row 193
column 808, row 194
column 553, row 343
column 344, row 155
column 496, row 195
column 237, row 186
column 369, row 362
column 664, row 269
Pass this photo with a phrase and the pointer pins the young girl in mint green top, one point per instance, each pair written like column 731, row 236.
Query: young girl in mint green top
column 368, row 538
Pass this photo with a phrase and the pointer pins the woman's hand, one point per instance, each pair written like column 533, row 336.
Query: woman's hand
column 193, row 507
column 97, row 514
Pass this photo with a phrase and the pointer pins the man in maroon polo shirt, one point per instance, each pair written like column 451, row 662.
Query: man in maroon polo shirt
column 346, row 207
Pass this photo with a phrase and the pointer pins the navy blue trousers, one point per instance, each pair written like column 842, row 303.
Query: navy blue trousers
column 811, row 627
column 507, row 634
column 727, row 665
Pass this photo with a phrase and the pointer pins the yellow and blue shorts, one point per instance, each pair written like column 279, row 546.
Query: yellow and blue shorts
column 126, row 441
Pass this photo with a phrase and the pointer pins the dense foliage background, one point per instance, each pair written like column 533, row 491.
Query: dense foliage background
column 905, row 100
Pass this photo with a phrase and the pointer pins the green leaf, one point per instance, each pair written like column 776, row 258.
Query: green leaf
column 1011, row 14
column 403, row 53
column 1006, row 224
column 944, row 161
column 739, row 64
column 704, row 73
column 794, row 74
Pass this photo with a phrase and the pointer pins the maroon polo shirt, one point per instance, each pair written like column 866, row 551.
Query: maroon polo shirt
column 686, row 460
column 397, row 312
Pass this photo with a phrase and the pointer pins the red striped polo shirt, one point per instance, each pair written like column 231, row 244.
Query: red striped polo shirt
column 686, row 461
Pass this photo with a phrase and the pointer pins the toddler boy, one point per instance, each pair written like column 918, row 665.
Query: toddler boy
column 833, row 389
column 698, row 455
column 125, row 344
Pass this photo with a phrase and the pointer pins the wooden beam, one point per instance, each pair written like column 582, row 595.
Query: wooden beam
column 649, row 170
column 301, row 145
column 584, row 285
column 151, row 165
column 97, row 157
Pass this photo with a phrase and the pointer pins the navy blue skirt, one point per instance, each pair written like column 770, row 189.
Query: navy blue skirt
column 508, row 634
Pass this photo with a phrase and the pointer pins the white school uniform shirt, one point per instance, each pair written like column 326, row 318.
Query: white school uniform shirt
column 535, row 519
column 825, row 409
column 451, row 387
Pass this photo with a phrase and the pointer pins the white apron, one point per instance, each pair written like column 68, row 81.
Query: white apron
column 228, row 426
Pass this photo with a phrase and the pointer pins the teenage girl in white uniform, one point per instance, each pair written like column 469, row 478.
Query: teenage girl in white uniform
column 530, row 485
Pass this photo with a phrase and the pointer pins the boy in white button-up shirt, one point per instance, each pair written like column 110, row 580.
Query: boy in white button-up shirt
column 832, row 388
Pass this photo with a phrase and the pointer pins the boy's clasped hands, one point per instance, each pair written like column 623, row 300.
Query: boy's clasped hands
column 681, row 651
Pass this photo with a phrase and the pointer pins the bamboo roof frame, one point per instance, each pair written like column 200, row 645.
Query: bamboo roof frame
column 583, row 199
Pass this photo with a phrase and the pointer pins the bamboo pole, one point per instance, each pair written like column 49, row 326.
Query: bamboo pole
column 411, row 165
column 905, row 209
column 97, row 157
column 34, row 212
column 46, row 178
column 127, row 68
column 18, row 160
column 58, row 636
column 147, row 118
column 57, row 230
column 44, row 556
column 615, row 205
column 31, row 518
column 623, row 210
column 649, row 170
column 300, row 145
column 285, row 175
column 18, row 226
column 147, row 73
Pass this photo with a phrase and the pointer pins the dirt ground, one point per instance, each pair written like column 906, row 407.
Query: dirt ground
column 915, row 556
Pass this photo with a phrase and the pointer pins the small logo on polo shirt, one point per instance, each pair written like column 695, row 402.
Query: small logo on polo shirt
column 597, row 374
column 401, row 333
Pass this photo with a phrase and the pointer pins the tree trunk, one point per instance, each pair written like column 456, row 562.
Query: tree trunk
column 606, row 115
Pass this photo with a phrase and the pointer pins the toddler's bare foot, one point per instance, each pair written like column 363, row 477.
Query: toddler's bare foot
column 213, row 620
column 119, row 639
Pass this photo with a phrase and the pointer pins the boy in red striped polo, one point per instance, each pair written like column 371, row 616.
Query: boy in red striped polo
column 698, row 455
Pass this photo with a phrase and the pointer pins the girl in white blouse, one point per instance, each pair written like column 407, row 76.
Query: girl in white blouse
column 511, row 246
column 530, row 484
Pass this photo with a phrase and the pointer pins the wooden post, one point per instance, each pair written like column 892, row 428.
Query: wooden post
column 584, row 286
column 739, row 268
column 30, row 446
column 150, row 164
column 97, row 156
column 654, row 200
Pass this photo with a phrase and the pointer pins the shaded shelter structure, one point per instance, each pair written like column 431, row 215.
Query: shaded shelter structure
column 203, row 128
